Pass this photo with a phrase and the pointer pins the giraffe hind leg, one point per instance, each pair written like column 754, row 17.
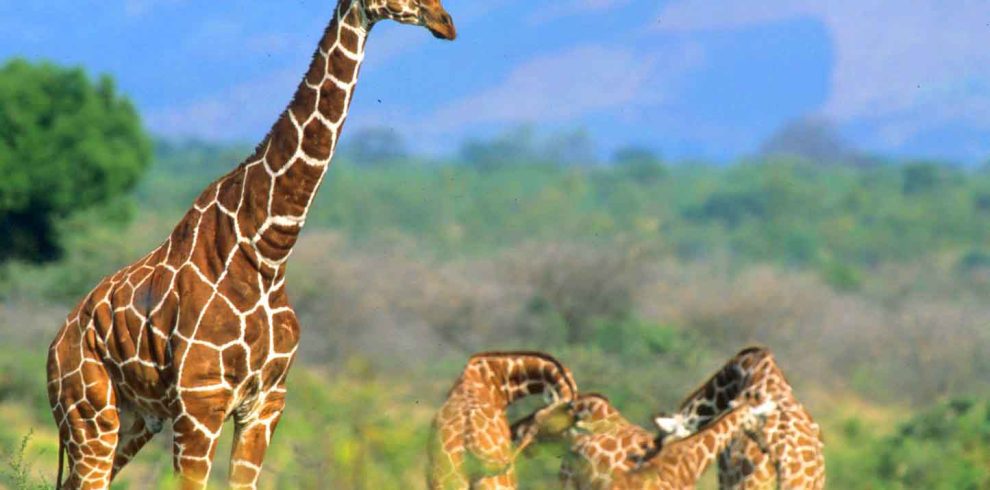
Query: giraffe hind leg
column 86, row 412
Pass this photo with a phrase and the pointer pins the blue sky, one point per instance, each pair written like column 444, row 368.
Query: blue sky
column 690, row 78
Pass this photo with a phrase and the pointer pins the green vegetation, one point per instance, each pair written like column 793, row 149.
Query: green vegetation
column 944, row 447
column 17, row 473
column 67, row 144
column 867, row 278
column 642, row 276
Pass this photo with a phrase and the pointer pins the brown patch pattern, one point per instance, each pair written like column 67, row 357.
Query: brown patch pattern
column 200, row 329
column 470, row 442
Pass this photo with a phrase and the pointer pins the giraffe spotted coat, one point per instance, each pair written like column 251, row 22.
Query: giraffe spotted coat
column 201, row 329
column 470, row 443
column 679, row 464
column 795, row 459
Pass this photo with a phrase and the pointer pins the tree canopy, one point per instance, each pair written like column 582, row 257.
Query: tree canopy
column 67, row 144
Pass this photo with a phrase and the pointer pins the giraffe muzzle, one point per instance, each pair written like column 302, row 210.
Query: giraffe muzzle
column 441, row 25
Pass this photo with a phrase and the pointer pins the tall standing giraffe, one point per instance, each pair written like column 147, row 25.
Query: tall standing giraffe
column 470, row 441
column 796, row 452
column 200, row 329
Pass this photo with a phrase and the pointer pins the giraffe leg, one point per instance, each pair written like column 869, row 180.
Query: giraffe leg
column 492, row 469
column 135, row 432
column 88, row 426
column 506, row 480
column 253, row 434
column 196, row 431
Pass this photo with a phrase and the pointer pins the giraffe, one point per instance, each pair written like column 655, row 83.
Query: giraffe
column 795, row 458
column 470, row 441
column 200, row 329
column 601, row 442
column 607, row 451
column 677, row 465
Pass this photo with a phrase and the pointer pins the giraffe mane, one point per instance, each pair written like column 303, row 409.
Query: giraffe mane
column 751, row 350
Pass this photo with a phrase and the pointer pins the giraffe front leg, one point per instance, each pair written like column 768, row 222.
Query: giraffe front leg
column 196, row 431
column 253, row 434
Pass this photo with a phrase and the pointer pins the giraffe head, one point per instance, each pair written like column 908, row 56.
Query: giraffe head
column 426, row 13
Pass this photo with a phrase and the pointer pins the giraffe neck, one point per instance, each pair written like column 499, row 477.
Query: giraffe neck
column 278, row 183
column 697, row 452
column 531, row 375
column 713, row 398
column 519, row 374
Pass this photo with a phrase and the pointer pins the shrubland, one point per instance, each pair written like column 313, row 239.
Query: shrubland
column 868, row 282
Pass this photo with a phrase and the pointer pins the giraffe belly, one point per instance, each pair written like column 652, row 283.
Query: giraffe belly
column 134, row 354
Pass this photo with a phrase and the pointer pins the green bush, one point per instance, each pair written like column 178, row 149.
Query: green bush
column 945, row 447
column 16, row 473
column 66, row 144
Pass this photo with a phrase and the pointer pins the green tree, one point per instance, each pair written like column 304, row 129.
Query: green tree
column 377, row 147
column 642, row 164
column 67, row 144
column 958, row 432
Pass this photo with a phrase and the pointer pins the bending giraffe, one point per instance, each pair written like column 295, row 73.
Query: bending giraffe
column 606, row 451
column 200, row 329
column 470, row 441
column 679, row 464
column 601, row 443
column 795, row 457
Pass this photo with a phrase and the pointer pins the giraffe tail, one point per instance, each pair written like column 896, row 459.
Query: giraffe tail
column 61, row 459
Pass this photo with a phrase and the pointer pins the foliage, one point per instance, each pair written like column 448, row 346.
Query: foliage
column 816, row 140
column 640, row 164
column 66, row 144
column 944, row 447
column 376, row 147
column 957, row 431
column 642, row 276
column 837, row 220
column 17, row 473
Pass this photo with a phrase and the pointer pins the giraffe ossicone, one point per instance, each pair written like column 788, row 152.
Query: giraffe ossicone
column 201, row 329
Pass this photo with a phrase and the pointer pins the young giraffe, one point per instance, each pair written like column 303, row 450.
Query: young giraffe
column 608, row 452
column 602, row 443
column 795, row 458
column 470, row 441
column 677, row 465
column 200, row 329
